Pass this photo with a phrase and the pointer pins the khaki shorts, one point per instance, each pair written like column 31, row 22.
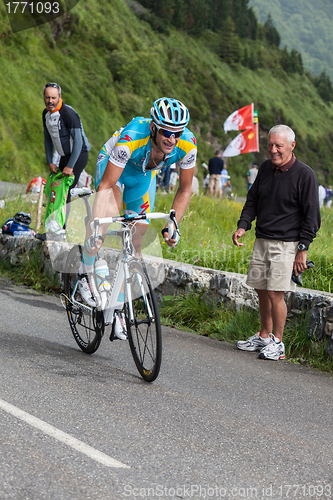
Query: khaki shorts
column 215, row 182
column 271, row 265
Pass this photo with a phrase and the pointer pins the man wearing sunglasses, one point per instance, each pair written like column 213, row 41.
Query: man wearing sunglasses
column 63, row 134
column 130, row 160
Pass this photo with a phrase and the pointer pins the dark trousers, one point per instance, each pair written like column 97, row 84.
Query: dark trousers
column 77, row 170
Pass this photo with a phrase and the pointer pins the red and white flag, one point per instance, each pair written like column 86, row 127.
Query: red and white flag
column 246, row 142
column 240, row 119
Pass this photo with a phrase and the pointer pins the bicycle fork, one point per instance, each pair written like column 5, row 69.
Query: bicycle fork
column 143, row 294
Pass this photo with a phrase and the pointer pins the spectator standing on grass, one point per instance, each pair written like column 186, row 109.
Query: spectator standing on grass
column 205, row 183
column 322, row 195
column 227, row 190
column 251, row 176
column 224, row 179
column 173, row 177
column 328, row 197
column 215, row 166
column 63, row 133
column 284, row 200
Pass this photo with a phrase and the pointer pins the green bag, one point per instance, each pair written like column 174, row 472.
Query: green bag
column 56, row 189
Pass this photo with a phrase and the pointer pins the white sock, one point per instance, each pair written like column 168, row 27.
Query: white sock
column 85, row 269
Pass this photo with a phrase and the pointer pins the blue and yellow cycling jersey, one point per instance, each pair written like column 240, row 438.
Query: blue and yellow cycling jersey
column 129, row 148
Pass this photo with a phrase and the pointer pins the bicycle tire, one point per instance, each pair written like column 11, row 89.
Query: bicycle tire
column 87, row 327
column 144, row 331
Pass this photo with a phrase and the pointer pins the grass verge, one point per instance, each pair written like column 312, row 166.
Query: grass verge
column 28, row 272
column 193, row 313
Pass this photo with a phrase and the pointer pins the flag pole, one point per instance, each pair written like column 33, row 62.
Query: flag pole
column 255, row 123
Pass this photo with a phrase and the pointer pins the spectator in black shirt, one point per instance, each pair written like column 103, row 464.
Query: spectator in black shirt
column 215, row 166
column 64, row 135
column 284, row 200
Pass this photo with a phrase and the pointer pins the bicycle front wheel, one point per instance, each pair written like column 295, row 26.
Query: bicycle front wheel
column 143, row 323
column 87, row 323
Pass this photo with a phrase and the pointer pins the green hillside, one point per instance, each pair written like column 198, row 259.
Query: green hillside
column 111, row 65
column 305, row 26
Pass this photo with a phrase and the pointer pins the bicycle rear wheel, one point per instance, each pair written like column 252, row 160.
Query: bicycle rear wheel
column 144, row 329
column 87, row 323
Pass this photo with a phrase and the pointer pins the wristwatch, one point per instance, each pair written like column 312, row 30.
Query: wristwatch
column 302, row 247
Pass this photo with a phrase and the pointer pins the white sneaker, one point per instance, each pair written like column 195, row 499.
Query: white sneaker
column 274, row 350
column 120, row 329
column 87, row 289
column 254, row 343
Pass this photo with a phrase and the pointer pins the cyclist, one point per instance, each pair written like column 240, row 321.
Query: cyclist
column 131, row 159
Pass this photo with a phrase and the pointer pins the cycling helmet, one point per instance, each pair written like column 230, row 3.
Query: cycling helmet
column 22, row 218
column 168, row 112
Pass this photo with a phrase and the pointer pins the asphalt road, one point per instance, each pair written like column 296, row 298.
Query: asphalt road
column 217, row 423
column 8, row 189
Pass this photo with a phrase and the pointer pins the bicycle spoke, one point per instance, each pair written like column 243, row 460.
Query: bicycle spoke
column 86, row 323
column 144, row 329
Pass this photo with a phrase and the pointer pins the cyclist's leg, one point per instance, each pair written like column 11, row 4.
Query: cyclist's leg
column 111, row 206
column 112, row 196
column 139, row 198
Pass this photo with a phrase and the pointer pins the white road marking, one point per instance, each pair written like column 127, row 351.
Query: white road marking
column 61, row 436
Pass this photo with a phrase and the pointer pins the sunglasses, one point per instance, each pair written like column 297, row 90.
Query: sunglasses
column 54, row 85
column 168, row 133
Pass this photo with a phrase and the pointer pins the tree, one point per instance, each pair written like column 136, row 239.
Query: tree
column 218, row 11
column 324, row 87
column 240, row 16
column 230, row 47
column 272, row 34
column 291, row 62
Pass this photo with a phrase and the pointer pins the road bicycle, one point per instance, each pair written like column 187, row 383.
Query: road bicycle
column 130, row 277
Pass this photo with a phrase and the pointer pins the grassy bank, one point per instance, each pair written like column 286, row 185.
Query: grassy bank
column 111, row 75
column 206, row 241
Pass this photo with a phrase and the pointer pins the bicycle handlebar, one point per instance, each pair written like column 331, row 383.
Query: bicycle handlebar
column 170, row 218
column 80, row 191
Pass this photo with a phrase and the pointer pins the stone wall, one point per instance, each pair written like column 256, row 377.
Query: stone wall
column 170, row 278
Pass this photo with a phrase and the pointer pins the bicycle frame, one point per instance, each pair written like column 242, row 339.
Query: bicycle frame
column 121, row 274
column 122, row 271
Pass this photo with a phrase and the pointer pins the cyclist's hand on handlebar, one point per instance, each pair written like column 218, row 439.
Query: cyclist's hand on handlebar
column 171, row 241
column 238, row 234
column 91, row 246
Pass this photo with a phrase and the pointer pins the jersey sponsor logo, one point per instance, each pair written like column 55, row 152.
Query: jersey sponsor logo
column 144, row 207
column 55, row 184
column 189, row 159
column 101, row 157
column 193, row 139
column 122, row 155
column 52, row 197
column 126, row 138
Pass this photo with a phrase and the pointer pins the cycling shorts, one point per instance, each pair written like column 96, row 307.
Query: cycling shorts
column 139, row 188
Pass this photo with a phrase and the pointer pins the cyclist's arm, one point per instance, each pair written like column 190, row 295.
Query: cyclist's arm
column 105, row 201
column 182, row 199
